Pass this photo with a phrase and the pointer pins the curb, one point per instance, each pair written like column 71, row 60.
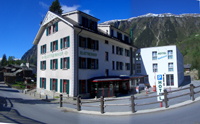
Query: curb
column 188, row 102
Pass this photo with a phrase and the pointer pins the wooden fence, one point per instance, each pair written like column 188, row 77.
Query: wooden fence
column 83, row 102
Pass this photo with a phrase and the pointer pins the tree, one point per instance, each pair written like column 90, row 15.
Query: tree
column 4, row 60
column 56, row 7
column 11, row 60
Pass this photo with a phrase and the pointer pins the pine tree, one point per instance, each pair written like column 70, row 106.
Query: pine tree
column 4, row 60
column 56, row 7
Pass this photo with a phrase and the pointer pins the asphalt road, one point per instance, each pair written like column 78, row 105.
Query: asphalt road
column 16, row 107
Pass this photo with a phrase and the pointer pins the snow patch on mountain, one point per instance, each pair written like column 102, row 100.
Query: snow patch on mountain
column 153, row 15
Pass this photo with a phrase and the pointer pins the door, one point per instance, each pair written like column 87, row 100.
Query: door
column 65, row 86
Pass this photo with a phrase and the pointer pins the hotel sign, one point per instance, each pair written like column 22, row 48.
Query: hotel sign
column 54, row 55
column 162, row 55
column 88, row 53
column 159, row 87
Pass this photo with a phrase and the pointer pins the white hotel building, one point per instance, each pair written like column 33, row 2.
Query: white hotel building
column 77, row 57
column 164, row 60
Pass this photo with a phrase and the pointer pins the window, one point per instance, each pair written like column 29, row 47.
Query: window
column 138, row 57
column 154, row 55
column 127, row 52
column 170, row 67
column 49, row 29
column 43, row 65
column 64, row 86
column 88, row 43
column 138, row 68
column 54, row 45
column 82, row 63
column 64, row 42
column 111, row 33
column 82, row 86
column 64, row 63
column 106, row 72
column 113, row 49
column 170, row 80
column 126, row 39
column 119, row 50
column 53, row 84
column 43, row 83
column 54, row 64
column 127, row 66
column 89, row 23
column 106, row 42
column 121, row 65
column 155, row 67
column 43, row 49
column 106, row 56
column 119, row 36
column 92, row 63
column 170, row 54
column 113, row 65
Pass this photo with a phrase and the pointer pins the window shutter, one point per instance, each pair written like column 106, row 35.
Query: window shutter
column 97, row 45
column 89, row 43
column 56, row 63
column 80, row 41
column 61, row 43
column 41, row 65
column 40, row 82
column 45, row 65
column 45, row 48
column 50, row 84
column 61, row 84
column 68, row 41
column 51, row 64
column 61, row 59
column 56, row 26
column 45, row 83
column 47, row 31
column 67, row 86
column 97, row 64
column 56, row 44
column 41, row 49
column 88, row 63
column 51, row 45
column 79, row 62
column 56, row 89
column 68, row 62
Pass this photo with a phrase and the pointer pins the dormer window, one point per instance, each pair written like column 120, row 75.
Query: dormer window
column 119, row 36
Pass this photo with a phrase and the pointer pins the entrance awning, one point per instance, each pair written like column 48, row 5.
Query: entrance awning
column 109, row 78
column 137, row 76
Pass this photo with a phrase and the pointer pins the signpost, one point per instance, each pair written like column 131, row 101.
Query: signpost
column 159, row 87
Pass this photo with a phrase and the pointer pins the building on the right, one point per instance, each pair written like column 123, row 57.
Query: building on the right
column 163, row 60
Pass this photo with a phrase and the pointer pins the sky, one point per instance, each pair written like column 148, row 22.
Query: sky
column 20, row 19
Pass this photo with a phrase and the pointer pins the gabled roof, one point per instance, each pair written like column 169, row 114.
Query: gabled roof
column 187, row 66
column 50, row 16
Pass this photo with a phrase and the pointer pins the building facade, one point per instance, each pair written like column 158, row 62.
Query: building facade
column 78, row 57
column 164, row 60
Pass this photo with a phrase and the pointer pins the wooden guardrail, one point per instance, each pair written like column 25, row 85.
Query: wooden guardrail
column 82, row 102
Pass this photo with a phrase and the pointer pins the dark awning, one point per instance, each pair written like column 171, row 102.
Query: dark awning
column 138, row 76
column 109, row 78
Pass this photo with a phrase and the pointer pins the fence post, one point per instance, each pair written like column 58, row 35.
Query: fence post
column 192, row 91
column 78, row 103
column 133, row 103
column 102, row 104
column 61, row 101
column 165, row 98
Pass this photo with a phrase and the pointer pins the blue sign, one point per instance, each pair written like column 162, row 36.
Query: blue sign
column 162, row 57
column 159, row 77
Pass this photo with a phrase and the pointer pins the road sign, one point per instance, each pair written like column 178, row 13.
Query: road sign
column 159, row 87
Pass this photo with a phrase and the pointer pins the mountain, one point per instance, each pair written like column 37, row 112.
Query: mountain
column 155, row 30
column 31, row 54
column 163, row 29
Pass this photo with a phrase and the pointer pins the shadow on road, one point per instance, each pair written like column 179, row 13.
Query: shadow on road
column 9, row 115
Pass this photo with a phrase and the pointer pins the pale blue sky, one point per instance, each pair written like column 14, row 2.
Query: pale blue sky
column 20, row 19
